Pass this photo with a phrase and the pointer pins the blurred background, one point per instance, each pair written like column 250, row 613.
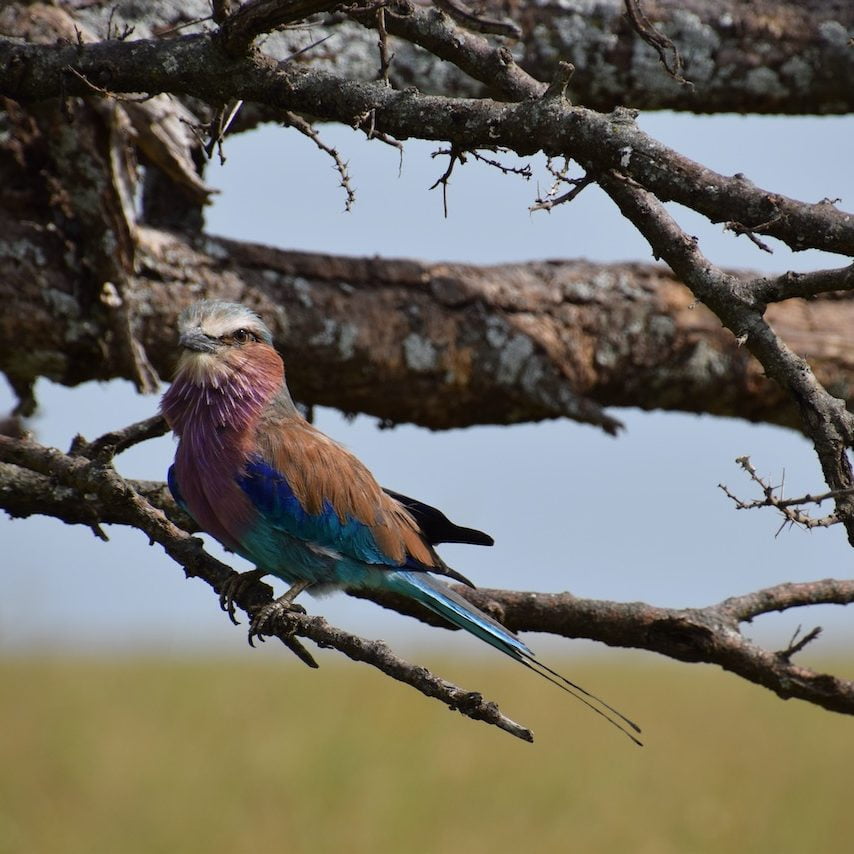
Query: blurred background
column 134, row 716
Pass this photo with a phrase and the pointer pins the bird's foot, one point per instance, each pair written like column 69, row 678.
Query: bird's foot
column 233, row 587
column 277, row 608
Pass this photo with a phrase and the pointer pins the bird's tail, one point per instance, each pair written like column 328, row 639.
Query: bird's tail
column 440, row 599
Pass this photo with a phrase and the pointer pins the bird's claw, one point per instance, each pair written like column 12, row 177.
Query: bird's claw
column 262, row 616
column 233, row 587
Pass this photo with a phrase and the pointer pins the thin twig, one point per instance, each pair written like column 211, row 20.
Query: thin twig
column 382, row 44
column 546, row 204
column 454, row 155
column 740, row 229
column 106, row 93
column 307, row 129
column 521, row 171
column 663, row 45
column 795, row 647
column 478, row 23
column 789, row 507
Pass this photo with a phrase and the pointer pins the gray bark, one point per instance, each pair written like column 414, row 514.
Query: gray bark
column 766, row 56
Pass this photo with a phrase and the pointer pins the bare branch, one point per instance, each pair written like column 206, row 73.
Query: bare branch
column 478, row 23
column 667, row 52
column 738, row 228
column 791, row 284
column 599, row 142
column 555, row 317
column 34, row 479
column 239, row 29
column 783, row 597
column 476, row 56
column 307, row 129
column 795, row 646
column 113, row 443
column 789, row 507
column 782, row 56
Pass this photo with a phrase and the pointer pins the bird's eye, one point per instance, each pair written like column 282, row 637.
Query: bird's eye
column 241, row 336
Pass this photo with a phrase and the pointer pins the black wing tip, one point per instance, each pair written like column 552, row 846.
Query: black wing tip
column 436, row 526
column 474, row 537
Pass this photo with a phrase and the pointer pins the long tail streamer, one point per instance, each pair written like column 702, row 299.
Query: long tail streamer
column 440, row 599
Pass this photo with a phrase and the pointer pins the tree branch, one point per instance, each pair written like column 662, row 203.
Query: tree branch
column 824, row 417
column 803, row 285
column 790, row 508
column 498, row 344
column 198, row 67
column 35, row 479
column 239, row 29
column 768, row 56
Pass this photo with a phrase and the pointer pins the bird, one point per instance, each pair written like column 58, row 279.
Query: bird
column 254, row 473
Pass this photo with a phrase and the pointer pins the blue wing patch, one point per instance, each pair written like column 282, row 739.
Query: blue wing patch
column 172, row 483
column 278, row 506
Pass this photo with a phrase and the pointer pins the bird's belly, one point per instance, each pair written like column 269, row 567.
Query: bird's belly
column 293, row 559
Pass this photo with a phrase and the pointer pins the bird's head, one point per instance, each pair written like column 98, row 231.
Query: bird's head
column 220, row 338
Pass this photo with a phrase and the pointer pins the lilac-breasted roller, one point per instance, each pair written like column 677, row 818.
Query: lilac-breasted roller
column 271, row 487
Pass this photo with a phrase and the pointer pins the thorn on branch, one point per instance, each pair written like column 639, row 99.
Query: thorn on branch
column 668, row 53
column 305, row 127
column 547, row 204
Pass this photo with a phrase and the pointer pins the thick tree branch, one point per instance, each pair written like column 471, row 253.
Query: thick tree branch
column 35, row 479
column 436, row 344
column 197, row 66
column 767, row 56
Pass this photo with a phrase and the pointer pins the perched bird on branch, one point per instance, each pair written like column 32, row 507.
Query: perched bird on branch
column 271, row 487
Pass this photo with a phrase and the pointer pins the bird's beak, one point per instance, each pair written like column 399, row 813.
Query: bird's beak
column 196, row 340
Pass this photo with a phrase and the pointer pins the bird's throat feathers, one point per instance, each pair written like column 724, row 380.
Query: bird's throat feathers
column 214, row 393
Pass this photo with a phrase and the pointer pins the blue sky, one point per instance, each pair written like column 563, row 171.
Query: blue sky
column 637, row 517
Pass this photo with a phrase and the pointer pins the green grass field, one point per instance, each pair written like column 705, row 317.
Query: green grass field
column 134, row 755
